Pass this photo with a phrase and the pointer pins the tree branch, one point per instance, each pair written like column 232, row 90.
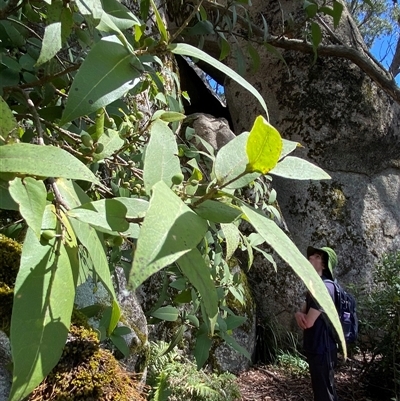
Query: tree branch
column 381, row 77
column 362, row 59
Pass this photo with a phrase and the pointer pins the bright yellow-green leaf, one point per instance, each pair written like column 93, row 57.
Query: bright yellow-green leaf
column 264, row 146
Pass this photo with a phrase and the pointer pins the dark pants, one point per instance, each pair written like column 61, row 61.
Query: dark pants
column 322, row 375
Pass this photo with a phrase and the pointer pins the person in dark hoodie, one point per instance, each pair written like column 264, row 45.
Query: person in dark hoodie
column 319, row 343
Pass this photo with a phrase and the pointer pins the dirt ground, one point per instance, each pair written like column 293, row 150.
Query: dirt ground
column 269, row 383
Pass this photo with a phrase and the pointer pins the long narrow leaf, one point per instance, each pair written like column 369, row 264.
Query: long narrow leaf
column 43, row 302
column 285, row 248
column 195, row 269
column 191, row 51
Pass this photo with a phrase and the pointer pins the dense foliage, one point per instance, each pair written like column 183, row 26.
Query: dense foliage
column 90, row 160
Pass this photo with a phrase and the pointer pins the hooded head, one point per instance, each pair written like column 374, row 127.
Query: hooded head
column 330, row 258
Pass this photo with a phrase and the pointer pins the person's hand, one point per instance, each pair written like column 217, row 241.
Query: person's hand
column 301, row 320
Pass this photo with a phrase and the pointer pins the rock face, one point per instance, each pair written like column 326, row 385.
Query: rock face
column 5, row 372
column 348, row 127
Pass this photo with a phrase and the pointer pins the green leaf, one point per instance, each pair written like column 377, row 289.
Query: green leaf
column 30, row 194
column 135, row 208
column 198, row 273
column 316, row 36
column 121, row 344
column 288, row 147
column 232, row 321
column 112, row 142
column 72, row 193
column 167, row 313
column 234, row 344
column 160, row 22
column 104, row 215
column 337, row 13
column 168, row 116
column 231, row 162
column 176, row 339
column 217, row 212
column 22, row 158
column 255, row 57
column 311, row 8
column 90, row 7
column 202, row 348
column 170, row 229
column 232, row 238
column 191, row 51
column 89, row 238
column 8, row 123
column 52, row 43
column 299, row 169
column 6, row 200
column 225, row 48
column 122, row 331
column 264, row 147
column 100, row 80
column 288, row 251
column 161, row 162
column 119, row 14
column 67, row 23
column 43, row 301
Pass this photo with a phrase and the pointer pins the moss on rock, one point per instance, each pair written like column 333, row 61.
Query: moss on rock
column 86, row 372
column 10, row 256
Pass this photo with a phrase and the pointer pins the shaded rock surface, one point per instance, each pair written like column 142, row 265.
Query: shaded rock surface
column 5, row 362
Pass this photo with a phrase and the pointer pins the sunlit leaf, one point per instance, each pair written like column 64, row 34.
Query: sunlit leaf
column 167, row 313
column 43, row 301
column 30, row 195
column 217, row 212
column 105, row 214
column 161, row 161
column 170, row 229
column 52, row 43
column 160, row 22
column 22, row 158
column 89, row 238
column 264, row 147
column 299, row 169
column 231, row 163
column 232, row 238
column 288, row 147
column 100, row 80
